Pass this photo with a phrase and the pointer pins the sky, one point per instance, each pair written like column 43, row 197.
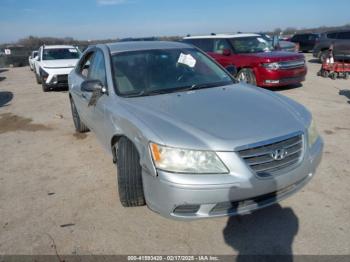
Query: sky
column 101, row 19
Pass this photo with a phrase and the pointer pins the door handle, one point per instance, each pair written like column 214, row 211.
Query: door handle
column 84, row 96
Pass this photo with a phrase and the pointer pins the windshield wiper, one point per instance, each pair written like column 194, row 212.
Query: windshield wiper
column 148, row 93
column 207, row 85
column 177, row 89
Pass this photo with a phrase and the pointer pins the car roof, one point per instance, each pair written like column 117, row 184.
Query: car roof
column 144, row 45
column 57, row 46
column 307, row 34
column 221, row 36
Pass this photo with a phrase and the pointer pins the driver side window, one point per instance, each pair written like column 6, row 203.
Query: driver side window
column 85, row 65
column 97, row 69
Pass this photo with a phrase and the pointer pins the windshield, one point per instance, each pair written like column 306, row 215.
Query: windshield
column 252, row 44
column 61, row 53
column 164, row 71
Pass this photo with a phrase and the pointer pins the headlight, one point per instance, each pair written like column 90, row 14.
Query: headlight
column 271, row 66
column 43, row 73
column 312, row 133
column 186, row 161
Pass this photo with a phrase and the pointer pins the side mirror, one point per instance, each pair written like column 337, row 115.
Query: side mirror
column 93, row 86
column 226, row 52
column 232, row 70
column 36, row 58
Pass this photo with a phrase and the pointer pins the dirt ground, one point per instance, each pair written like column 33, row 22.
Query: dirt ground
column 58, row 188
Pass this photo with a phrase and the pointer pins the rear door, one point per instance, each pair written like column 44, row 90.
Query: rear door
column 220, row 46
column 342, row 45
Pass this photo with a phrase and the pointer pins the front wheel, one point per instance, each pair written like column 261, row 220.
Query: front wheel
column 246, row 75
column 44, row 86
column 80, row 127
column 38, row 79
column 129, row 175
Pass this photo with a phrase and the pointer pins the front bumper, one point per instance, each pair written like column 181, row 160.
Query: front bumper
column 281, row 77
column 56, row 77
column 187, row 197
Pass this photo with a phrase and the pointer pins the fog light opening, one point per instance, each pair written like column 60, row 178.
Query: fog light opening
column 186, row 209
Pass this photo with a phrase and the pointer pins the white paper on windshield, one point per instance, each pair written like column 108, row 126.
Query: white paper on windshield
column 72, row 50
column 187, row 60
column 261, row 40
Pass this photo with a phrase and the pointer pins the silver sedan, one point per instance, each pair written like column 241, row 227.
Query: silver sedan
column 187, row 139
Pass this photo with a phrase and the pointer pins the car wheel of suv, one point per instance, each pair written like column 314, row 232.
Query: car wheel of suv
column 44, row 86
column 246, row 75
column 323, row 56
column 129, row 175
column 80, row 127
column 38, row 80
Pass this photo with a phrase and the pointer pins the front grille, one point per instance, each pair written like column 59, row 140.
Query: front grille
column 292, row 64
column 62, row 79
column 262, row 200
column 269, row 159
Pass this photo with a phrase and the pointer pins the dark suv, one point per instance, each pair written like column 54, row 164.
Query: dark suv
column 306, row 41
column 341, row 45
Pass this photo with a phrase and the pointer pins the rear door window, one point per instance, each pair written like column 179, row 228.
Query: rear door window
column 332, row 35
column 220, row 45
column 344, row 35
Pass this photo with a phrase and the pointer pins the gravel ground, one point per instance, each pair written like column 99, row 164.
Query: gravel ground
column 58, row 188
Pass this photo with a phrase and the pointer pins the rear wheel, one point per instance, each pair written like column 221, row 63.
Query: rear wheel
column 334, row 75
column 324, row 55
column 325, row 73
column 246, row 75
column 80, row 127
column 129, row 175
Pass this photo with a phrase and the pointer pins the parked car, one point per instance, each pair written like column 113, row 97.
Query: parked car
column 53, row 64
column 31, row 59
column 306, row 41
column 255, row 58
column 188, row 139
column 338, row 40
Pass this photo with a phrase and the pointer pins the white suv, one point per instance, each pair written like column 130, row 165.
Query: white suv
column 53, row 64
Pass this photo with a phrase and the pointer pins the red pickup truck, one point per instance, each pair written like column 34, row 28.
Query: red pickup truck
column 254, row 57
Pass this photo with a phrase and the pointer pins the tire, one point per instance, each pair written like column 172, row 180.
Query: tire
column 129, row 175
column 334, row 75
column 323, row 55
column 80, row 127
column 38, row 79
column 346, row 76
column 246, row 75
column 44, row 86
column 325, row 73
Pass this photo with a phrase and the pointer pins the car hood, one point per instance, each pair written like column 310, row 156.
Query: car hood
column 220, row 119
column 59, row 63
column 276, row 56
